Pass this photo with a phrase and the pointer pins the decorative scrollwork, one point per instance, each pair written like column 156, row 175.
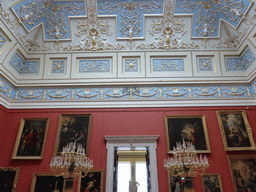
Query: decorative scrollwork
column 168, row 32
column 93, row 34
column 207, row 14
column 32, row 13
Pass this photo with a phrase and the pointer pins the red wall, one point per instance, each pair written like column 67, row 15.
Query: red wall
column 129, row 121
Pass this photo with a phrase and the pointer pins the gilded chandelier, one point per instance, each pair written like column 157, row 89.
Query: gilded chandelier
column 72, row 163
column 185, row 162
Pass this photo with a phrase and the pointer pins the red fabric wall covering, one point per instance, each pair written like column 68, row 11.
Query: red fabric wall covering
column 125, row 121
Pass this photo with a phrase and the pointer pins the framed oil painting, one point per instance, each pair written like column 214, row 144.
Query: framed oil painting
column 73, row 128
column 31, row 138
column 243, row 172
column 68, row 185
column 211, row 182
column 178, row 184
column 235, row 130
column 46, row 182
column 93, row 181
column 188, row 128
column 9, row 178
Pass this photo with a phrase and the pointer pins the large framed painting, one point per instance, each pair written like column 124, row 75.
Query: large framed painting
column 47, row 182
column 68, row 185
column 73, row 128
column 179, row 184
column 9, row 178
column 211, row 182
column 31, row 138
column 188, row 128
column 93, row 181
column 235, row 130
column 243, row 172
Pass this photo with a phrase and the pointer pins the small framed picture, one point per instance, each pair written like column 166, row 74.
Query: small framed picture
column 31, row 138
column 211, row 182
column 46, row 182
column 243, row 172
column 235, row 130
column 73, row 128
column 9, row 178
column 93, row 181
column 188, row 128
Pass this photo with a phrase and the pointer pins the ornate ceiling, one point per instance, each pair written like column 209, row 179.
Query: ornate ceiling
column 124, row 52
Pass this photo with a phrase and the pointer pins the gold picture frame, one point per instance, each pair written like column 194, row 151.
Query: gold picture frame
column 177, row 182
column 211, row 182
column 46, row 182
column 73, row 127
column 9, row 178
column 235, row 130
column 92, row 181
column 189, row 128
column 243, row 170
column 31, row 138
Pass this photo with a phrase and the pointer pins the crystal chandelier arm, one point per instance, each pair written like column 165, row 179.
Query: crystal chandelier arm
column 72, row 161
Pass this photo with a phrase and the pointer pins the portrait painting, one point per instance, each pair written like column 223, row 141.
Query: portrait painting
column 46, row 182
column 9, row 178
column 235, row 130
column 31, row 138
column 211, row 182
column 188, row 128
column 73, row 128
column 91, row 182
column 243, row 172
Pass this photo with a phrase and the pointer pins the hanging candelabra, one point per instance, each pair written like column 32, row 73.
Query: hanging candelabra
column 72, row 162
column 185, row 163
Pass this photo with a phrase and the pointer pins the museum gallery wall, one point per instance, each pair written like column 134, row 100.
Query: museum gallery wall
column 122, row 121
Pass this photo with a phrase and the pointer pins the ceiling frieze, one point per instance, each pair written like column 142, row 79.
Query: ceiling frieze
column 127, row 93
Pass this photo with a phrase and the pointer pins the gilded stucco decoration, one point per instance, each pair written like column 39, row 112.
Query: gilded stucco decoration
column 209, row 13
column 23, row 66
column 58, row 66
column 135, row 93
column 131, row 64
column 54, row 15
column 233, row 40
column 240, row 63
column 120, row 51
column 93, row 34
column 32, row 43
column 89, row 65
column 144, row 25
column 168, row 32
column 130, row 15
column 168, row 64
column 12, row 22
column 205, row 64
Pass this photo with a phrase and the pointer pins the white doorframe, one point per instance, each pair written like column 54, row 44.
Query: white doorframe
column 149, row 141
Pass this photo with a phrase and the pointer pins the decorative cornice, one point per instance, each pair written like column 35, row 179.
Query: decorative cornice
column 120, row 96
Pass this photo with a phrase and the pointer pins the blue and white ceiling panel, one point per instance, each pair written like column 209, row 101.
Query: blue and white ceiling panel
column 54, row 15
column 207, row 14
column 130, row 14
